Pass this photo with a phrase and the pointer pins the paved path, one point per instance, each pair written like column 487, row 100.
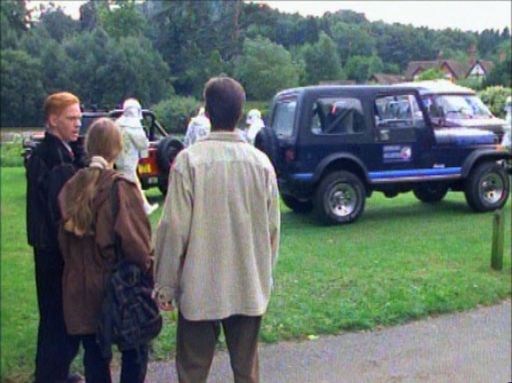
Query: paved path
column 469, row 347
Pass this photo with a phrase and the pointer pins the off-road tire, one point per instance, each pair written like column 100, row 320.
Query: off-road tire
column 297, row 205
column 487, row 187
column 430, row 192
column 266, row 141
column 167, row 150
column 162, row 184
column 340, row 198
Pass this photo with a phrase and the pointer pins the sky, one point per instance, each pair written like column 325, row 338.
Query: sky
column 457, row 14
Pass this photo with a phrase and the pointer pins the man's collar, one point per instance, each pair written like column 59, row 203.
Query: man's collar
column 224, row 135
column 54, row 137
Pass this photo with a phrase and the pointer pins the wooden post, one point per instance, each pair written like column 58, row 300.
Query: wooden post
column 498, row 232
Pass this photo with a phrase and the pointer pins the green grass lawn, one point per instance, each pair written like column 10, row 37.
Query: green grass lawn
column 402, row 260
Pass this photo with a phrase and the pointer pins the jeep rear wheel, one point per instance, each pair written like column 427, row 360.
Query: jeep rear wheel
column 340, row 198
column 167, row 150
column 162, row 184
column 266, row 141
column 430, row 192
column 297, row 205
column 487, row 187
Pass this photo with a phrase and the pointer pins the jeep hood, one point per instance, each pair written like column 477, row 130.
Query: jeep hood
column 460, row 136
column 486, row 123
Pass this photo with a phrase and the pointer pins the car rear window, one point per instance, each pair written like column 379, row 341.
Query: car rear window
column 337, row 116
column 282, row 120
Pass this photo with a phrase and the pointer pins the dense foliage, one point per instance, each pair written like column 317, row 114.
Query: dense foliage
column 157, row 50
column 494, row 97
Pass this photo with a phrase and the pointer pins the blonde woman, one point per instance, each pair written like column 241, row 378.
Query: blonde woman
column 86, row 241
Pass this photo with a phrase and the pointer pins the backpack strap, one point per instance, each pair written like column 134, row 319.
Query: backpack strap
column 114, row 196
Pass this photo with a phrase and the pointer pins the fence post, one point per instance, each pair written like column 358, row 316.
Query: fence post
column 498, row 232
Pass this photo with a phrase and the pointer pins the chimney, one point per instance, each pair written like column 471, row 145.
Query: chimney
column 472, row 54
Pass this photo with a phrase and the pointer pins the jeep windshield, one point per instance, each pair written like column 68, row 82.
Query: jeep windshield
column 456, row 106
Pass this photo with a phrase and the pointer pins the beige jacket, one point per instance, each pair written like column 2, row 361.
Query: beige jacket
column 217, row 240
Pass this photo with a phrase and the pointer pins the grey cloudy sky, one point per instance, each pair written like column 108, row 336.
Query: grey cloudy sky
column 464, row 15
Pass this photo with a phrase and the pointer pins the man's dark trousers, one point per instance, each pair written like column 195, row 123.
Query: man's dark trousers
column 55, row 348
column 196, row 345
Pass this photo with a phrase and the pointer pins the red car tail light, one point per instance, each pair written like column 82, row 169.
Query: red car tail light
column 148, row 166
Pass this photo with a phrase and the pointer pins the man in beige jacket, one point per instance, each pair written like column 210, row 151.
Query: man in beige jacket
column 217, row 241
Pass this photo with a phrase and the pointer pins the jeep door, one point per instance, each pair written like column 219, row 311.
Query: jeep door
column 334, row 127
column 402, row 137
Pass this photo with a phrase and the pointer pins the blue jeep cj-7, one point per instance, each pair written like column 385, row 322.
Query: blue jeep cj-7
column 332, row 146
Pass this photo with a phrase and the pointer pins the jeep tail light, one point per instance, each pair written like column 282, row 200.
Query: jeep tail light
column 148, row 166
column 289, row 155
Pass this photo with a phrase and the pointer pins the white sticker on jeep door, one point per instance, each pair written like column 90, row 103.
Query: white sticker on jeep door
column 396, row 153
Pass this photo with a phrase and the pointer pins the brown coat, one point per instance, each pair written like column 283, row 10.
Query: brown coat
column 87, row 259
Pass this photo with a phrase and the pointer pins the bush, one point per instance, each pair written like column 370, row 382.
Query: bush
column 10, row 153
column 494, row 97
column 431, row 74
column 473, row 83
column 174, row 113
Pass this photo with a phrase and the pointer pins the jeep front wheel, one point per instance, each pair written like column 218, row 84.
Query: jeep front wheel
column 340, row 198
column 430, row 192
column 297, row 205
column 487, row 187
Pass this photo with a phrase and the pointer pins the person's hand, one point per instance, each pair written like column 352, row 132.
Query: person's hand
column 166, row 306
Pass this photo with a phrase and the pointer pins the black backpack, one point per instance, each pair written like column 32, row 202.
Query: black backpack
column 130, row 317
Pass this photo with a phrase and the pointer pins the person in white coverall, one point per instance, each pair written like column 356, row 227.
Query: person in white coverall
column 135, row 145
column 255, row 123
column 198, row 127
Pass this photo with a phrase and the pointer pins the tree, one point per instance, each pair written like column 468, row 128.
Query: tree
column 352, row 40
column 89, row 14
column 57, row 24
column 321, row 61
column 133, row 69
column 398, row 44
column 108, row 71
column 265, row 68
column 21, row 89
column 361, row 68
column 56, row 68
column 186, row 33
column 56, row 65
column 347, row 16
column 123, row 21
column 88, row 51
column 431, row 74
column 14, row 21
column 501, row 73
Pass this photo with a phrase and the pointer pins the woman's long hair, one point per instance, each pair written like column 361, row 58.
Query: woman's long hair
column 103, row 144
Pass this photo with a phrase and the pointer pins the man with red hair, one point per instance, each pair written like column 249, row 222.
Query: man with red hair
column 49, row 166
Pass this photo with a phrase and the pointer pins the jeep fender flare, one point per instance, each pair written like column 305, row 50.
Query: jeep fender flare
column 479, row 155
column 324, row 164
